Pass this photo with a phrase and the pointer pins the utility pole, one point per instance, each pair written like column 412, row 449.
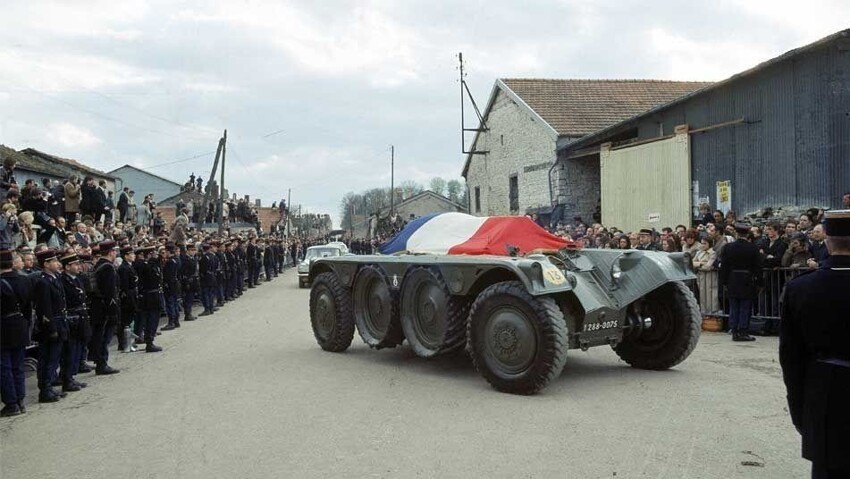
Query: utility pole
column 392, row 180
column 221, row 185
column 288, row 208
column 202, row 218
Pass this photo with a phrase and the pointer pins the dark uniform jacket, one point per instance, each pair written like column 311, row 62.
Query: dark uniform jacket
column 105, row 302
column 79, row 326
column 15, row 310
column 252, row 253
column 740, row 269
column 50, row 308
column 230, row 258
column 208, row 265
column 128, row 284
column 150, row 285
column 223, row 268
column 171, row 277
column 814, row 352
column 189, row 273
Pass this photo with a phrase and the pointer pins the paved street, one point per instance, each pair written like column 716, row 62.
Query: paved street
column 248, row 393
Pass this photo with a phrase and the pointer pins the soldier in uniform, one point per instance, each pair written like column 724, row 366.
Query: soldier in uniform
column 190, row 278
column 230, row 259
column 171, row 286
column 207, row 268
column 128, row 285
column 268, row 260
column 78, row 321
column 86, row 267
column 239, row 262
column 106, row 306
column 50, row 320
column 139, row 265
column 814, row 352
column 253, row 266
column 150, row 297
column 740, row 272
column 221, row 272
column 15, row 317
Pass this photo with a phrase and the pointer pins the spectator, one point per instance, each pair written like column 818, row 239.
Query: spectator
column 7, row 176
column 112, row 212
column 8, row 225
column 52, row 236
column 731, row 218
column 81, row 236
column 790, row 230
column 645, row 240
column 123, row 204
column 718, row 218
column 691, row 244
column 797, row 255
column 26, row 236
column 670, row 245
column 143, row 216
column 805, row 223
column 57, row 194
column 758, row 239
column 705, row 214
column 845, row 201
column 704, row 256
column 817, row 247
column 775, row 248
column 72, row 199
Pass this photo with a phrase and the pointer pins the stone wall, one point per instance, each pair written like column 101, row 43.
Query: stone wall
column 517, row 144
column 579, row 187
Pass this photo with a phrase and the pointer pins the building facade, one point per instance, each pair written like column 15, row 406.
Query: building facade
column 526, row 120
column 776, row 135
column 143, row 183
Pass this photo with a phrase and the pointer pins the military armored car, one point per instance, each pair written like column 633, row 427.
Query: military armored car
column 516, row 316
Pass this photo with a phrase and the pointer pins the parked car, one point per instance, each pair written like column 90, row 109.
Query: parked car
column 314, row 253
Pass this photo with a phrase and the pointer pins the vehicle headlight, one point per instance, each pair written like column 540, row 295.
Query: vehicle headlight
column 616, row 271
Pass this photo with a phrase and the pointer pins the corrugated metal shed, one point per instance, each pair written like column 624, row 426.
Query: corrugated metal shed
column 781, row 135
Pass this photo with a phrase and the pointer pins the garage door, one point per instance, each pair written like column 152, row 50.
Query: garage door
column 647, row 185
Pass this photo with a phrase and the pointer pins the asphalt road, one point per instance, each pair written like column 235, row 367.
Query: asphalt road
column 248, row 393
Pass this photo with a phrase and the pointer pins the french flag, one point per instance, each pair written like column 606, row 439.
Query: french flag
column 458, row 233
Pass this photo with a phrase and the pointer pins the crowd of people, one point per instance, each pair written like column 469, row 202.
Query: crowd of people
column 78, row 270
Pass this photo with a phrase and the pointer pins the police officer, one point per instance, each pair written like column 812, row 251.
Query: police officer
column 50, row 320
column 106, row 306
column 150, row 298
column 230, row 260
column 207, row 268
column 15, row 316
column 253, row 265
column 814, row 352
column 740, row 272
column 268, row 260
column 139, row 265
column 239, row 265
column 171, row 286
column 191, row 280
column 646, row 243
column 78, row 321
column 128, row 285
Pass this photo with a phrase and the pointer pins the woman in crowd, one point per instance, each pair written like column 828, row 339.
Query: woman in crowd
column 624, row 242
column 703, row 262
column 691, row 242
column 26, row 236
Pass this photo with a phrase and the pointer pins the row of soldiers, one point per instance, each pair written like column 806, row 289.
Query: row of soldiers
column 73, row 306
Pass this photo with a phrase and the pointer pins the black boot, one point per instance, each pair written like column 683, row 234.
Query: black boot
column 169, row 326
column 189, row 317
column 152, row 348
column 105, row 369
column 206, row 312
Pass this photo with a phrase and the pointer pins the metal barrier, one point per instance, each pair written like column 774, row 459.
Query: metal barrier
column 713, row 300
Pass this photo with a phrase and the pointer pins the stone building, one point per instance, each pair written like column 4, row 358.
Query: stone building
column 527, row 120
column 420, row 204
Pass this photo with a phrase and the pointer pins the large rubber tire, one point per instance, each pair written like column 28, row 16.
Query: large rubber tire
column 674, row 333
column 434, row 321
column 376, row 309
column 517, row 341
column 330, row 313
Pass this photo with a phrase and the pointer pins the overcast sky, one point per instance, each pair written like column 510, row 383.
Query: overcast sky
column 312, row 93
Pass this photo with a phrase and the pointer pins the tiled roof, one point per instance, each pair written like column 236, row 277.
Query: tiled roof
column 67, row 162
column 581, row 107
column 32, row 163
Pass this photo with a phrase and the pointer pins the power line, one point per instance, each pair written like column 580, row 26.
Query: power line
column 200, row 155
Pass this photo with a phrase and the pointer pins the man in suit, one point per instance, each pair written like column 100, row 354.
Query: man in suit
column 814, row 352
column 740, row 273
column 72, row 199
column 123, row 204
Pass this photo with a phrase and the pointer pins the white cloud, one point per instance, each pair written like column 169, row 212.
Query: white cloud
column 72, row 136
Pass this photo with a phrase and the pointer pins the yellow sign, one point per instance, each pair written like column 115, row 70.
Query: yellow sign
column 554, row 276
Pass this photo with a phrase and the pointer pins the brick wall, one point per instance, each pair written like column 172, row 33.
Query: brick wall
column 268, row 216
column 517, row 145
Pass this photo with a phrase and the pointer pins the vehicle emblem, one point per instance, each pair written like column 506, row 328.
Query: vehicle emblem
column 395, row 281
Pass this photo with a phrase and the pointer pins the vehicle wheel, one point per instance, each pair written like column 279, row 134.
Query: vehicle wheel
column 433, row 321
column 518, row 342
column 330, row 313
column 672, row 334
column 376, row 309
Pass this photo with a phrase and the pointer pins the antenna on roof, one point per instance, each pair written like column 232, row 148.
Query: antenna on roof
column 464, row 92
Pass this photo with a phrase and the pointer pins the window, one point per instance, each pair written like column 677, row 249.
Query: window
column 513, row 193
column 477, row 199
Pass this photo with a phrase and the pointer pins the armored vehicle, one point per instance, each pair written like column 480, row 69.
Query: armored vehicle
column 516, row 316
